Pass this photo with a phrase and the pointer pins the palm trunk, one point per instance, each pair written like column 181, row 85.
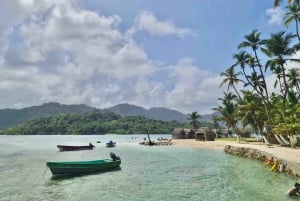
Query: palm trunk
column 236, row 91
column 263, row 76
column 297, row 31
column 286, row 89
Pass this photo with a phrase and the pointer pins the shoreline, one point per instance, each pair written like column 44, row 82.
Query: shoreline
column 283, row 153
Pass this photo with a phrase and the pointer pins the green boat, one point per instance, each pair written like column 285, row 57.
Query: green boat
column 83, row 167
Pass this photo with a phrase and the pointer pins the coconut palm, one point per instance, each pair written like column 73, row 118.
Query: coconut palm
column 231, row 79
column 293, row 14
column 293, row 76
column 241, row 59
column 279, row 49
column 216, row 120
column 193, row 118
column 228, row 110
column 251, row 111
column 278, row 2
column 254, row 42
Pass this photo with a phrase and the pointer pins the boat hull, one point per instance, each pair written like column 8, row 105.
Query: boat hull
column 110, row 144
column 82, row 167
column 73, row 148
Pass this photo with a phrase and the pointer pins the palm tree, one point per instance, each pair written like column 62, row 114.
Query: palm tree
column 216, row 120
column 293, row 76
column 228, row 110
column 231, row 79
column 254, row 42
column 251, row 111
column 292, row 14
column 241, row 59
column 279, row 50
column 193, row 118
column 278, row 2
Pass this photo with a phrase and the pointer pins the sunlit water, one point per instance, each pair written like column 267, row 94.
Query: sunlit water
column 147, row 173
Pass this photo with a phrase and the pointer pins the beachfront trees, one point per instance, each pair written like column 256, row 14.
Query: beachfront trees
column 276, row 107
column 251, row 111
column 231, row 79
column 293, row 14
column 279, row 49
column 254, row 42
column 193, row 118
column 278, row 2
column 228, row 110
column 293, row 76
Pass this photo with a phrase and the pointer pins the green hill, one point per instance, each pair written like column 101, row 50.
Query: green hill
column 92, row 123
column 13, row 117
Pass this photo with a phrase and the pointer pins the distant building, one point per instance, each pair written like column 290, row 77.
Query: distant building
column 204, row 133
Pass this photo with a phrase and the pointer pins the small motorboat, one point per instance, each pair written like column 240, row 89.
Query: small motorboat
column 84, row 167
column 74, row 148
column 110, row 144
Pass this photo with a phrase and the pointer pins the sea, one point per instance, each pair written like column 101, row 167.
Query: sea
column 147, row 173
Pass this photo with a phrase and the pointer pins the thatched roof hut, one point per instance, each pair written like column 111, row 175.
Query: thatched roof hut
column 183, row 133
column 205, row 134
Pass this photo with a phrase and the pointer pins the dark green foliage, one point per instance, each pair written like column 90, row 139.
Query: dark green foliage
column 93, row 123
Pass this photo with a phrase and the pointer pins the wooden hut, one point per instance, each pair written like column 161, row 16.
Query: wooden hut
column 205, row 134
column 183, row 133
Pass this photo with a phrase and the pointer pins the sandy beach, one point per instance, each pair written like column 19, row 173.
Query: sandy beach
column 285, row 153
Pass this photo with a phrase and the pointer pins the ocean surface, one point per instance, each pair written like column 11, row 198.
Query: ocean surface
column 158, row 173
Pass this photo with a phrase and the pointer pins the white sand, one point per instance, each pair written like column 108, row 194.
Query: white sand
column 285, row 153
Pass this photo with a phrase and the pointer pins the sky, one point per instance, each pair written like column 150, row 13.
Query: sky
column 102, row 53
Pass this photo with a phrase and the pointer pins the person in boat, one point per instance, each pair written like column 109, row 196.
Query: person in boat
column 295, row 191
column 91, row 145
column 270, row 161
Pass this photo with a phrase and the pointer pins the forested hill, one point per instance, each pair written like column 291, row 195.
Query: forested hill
column 13, row 117
column 93, row 123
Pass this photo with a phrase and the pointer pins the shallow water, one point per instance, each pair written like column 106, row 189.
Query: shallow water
column 147, row 173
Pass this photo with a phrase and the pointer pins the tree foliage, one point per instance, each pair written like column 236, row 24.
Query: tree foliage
column 93, row 123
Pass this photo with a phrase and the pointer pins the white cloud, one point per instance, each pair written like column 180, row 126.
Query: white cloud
column 67, row 54
column 193, row 88
column 275, row 15
column 147, row 21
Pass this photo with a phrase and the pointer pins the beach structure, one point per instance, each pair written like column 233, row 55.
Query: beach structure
column 203, row 133
column 182, row 133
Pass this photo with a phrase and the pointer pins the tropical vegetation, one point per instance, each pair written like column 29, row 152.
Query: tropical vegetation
column 93, row 123
column 263, row 83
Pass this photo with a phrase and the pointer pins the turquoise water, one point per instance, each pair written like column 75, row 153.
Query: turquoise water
column 147, row 173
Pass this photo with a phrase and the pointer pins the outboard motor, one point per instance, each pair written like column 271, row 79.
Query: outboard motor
column 114, row 157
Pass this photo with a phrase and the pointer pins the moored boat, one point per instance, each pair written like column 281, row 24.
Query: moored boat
column 110, row 144
column 74, row 148
column 84, row 167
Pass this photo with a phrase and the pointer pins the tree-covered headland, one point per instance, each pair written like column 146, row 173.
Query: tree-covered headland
column 93, row 123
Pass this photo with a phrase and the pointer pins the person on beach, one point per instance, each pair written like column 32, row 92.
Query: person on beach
column 295, row 191
column 274, row 166
column 269, row 162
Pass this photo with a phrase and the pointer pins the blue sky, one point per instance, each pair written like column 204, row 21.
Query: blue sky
column 102, row 53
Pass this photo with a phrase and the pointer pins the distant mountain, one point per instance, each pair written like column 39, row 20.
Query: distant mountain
column 157, row 113
column 208, row 117
column 13, row 117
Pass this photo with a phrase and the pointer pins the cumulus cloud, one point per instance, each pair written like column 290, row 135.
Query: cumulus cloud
column 58, row 51
column 147, row 21
column 275, row 15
